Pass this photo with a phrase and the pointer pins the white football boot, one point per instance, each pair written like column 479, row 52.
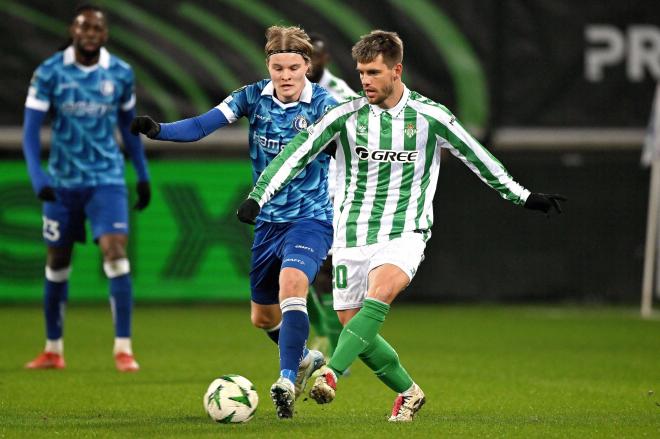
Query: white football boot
column 283, row 395
column 312, row 362
column 407, row 404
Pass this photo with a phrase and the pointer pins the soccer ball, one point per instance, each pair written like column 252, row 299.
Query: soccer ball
column 231, row 399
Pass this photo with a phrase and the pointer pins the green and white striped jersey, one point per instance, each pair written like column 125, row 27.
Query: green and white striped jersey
column 388, row 163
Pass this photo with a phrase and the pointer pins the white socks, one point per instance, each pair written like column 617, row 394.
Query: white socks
column 122, row 344
column 55, row 346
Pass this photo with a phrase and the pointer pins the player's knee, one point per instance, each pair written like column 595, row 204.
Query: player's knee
column 293, row 282
column 116, row 268
column 263, row 321
column 58, row 275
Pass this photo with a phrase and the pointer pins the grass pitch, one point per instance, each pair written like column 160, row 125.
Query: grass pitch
column 486, row 372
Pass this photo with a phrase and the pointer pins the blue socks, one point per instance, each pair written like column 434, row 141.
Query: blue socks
column 121, row 302
column 55, row 297
column 293, row 335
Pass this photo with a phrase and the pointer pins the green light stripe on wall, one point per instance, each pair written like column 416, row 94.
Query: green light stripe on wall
column 347, row 21
column 259, row 11
column 463, row 64
column 209, row 60
column 225, row 33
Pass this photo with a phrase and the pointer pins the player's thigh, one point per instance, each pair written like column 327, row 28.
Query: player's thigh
column 393, row 265
column 265, row 263
column 107, row 211
column 306, row 245
column 64, row 219
column 386, row 281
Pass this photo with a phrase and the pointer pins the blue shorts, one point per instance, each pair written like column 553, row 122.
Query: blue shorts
column 303, row 244
column 106, row 207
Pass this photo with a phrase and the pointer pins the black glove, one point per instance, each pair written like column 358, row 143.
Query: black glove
column 47, row 193
column 143, row 189
column 248, row 211
column 544, row 202
column 145, row 125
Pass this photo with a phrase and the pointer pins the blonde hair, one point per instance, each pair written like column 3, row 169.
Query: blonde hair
column 292, row 39
column 379, row 42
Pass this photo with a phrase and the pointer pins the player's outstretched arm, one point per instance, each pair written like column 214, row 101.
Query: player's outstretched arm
column 546, row 203
column 32, row 150
column 186, row 130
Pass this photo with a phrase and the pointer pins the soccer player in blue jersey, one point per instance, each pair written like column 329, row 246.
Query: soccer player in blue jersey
column 294, row 232
column 89, row 93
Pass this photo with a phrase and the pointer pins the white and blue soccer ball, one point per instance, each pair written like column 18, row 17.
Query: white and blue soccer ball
column 231, row 399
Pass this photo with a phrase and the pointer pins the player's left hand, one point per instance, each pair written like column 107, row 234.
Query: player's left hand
column 145, row 125
column 546, row 203
column 143, row 190
column 248, row 211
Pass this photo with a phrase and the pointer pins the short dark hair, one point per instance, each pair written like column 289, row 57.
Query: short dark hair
column 379, row 42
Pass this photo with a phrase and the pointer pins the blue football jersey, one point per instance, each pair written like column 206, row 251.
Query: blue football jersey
column 85, row 102
column 272, row 125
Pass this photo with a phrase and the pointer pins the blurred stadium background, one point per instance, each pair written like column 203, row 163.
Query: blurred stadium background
column 560, row 92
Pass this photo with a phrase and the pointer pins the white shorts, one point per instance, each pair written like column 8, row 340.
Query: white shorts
column 351, row 266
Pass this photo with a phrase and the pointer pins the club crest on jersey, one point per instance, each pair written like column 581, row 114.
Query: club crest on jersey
column 107, row 88
column 361, row 129
column 410, row 130
column 300, row 123
column 386, row 155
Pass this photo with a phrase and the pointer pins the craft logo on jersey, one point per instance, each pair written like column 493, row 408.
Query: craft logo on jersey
column 410, row 130
column 386, row 155
column 107, row 88
column 300, row 123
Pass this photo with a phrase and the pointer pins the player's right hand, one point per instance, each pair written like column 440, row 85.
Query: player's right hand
column 145, row 125
column 248, row 211
column 546, row 203
column 47, row 193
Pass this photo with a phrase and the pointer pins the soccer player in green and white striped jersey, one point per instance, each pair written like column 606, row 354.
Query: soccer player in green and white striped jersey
column 388, row 157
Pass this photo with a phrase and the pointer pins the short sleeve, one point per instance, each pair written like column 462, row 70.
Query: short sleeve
column 40, row 90
column 127, row 101
column 235, row 105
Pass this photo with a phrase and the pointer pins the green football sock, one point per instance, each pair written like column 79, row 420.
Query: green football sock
column 384, row 361
column 358, row 334
column 315, row 312
column 331, row 322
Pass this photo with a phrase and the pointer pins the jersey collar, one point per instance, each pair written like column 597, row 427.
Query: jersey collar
column 305, row 96
column 398, row 108
column 70, row 58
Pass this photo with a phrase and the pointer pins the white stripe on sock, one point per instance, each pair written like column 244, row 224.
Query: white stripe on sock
column 294, row 304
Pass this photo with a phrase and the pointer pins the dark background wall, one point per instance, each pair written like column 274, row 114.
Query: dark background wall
column 499, row 65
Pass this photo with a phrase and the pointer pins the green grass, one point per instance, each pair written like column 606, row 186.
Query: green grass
column 486, row 371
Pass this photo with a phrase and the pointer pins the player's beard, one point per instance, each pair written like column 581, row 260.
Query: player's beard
column 89, row 55
column 387, row 92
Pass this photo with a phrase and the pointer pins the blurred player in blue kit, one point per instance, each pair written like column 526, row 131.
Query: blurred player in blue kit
column 89, row 93
column 293, row 234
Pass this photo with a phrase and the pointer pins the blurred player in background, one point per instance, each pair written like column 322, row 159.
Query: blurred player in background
column 89, row 93
column 388, row 160
column 294, row 233
column 322, row 316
